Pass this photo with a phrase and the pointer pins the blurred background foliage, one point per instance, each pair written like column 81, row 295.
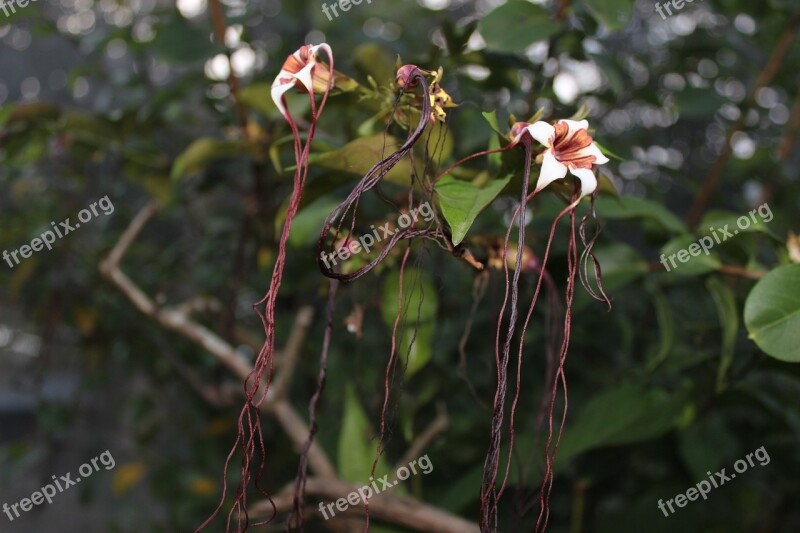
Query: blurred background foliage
column 131, row 99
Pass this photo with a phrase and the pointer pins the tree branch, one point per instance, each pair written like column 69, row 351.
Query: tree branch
column 437, row 426
column 403, row 510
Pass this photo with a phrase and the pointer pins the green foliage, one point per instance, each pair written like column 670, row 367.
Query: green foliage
column 772, row 313
column 692, row 368
column 461, row 202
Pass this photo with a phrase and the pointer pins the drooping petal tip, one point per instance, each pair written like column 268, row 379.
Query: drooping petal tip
column 301, row 70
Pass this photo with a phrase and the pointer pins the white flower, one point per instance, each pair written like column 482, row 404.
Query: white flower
column 569, row 148
column 301, row 70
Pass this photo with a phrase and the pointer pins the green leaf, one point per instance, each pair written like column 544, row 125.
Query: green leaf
column 620, row 264
column 695, row 265
column 356, row 450
column 625, row 414
column 5, row 113
column 614, row 14
column 717, row 220
column 516, row 25
column 307, row 222
column 461, row 202
column 666, row 326
column 729, row 320
column 629, row 207
column 772, row 313
column 420, row 304
column 491, row 118
column 360, row 155
column 202, row 151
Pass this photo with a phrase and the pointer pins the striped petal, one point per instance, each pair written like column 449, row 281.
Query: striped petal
column 594, row 150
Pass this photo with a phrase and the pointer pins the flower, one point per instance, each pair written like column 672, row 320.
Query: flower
column 569, row 148
column 302, row 70
column 439, row 99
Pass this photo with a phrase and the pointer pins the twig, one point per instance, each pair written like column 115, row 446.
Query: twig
column 176, row 320
column 402, row 510
column 437, row 426
column 732, row 270
column 291, row 352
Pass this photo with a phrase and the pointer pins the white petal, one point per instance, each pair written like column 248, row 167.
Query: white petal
column 552, row 170
column 593, row 150
column 542, row 132
column 576, row 125
column 278, row 90
column 304, row 76
column 588, row 180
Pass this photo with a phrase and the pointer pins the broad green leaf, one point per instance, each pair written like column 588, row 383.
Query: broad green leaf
column 420, row 304
column 614, row 14
column 202, row 151
column 686, row 248
column 772, row 313
column 729, row 321
column 358, row 156
column 625, row 414
column 516, row 25
column 356, row 446
column 461, row 202
column 629, row 207
column 716, row 221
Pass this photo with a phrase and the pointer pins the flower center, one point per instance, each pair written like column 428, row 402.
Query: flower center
column 569, row 148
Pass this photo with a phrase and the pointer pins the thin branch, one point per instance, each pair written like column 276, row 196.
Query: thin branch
column 731, row 270
column 423, row 440
column 176, row 320
column 291, row 352
column 402, row 510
